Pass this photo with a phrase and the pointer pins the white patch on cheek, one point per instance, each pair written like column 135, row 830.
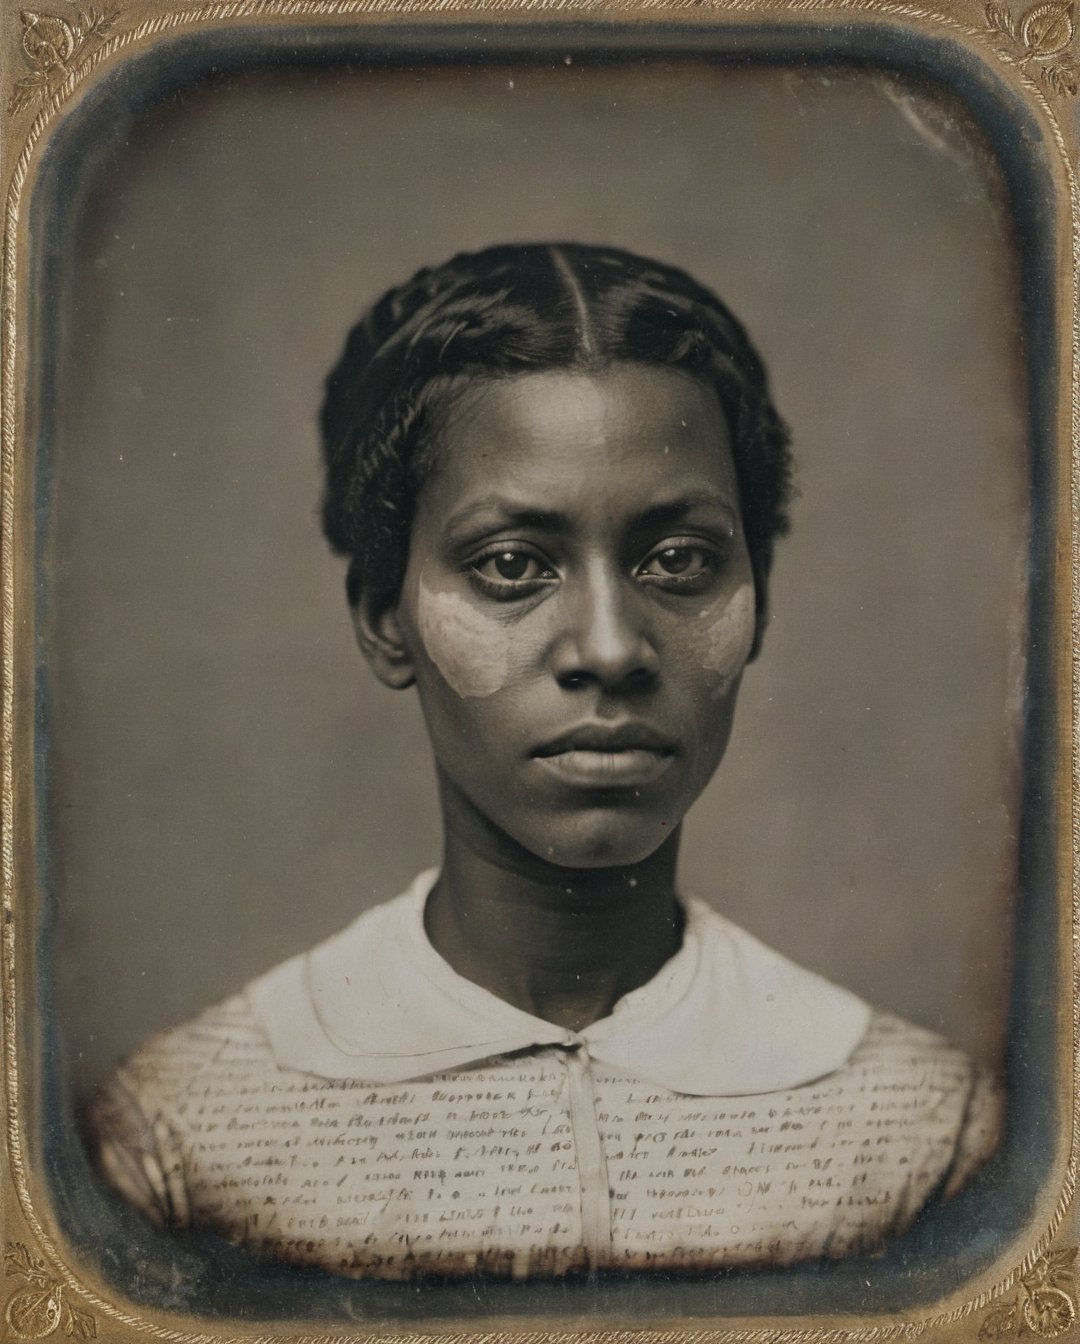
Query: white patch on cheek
column 470, row 650
column 730, row 636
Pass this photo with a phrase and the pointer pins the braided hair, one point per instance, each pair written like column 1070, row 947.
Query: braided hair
column 519, row 309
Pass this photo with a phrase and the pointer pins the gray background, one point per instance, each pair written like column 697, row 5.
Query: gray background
column 229, row 783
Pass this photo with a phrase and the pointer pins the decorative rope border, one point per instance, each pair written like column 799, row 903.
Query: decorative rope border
column 239, row 10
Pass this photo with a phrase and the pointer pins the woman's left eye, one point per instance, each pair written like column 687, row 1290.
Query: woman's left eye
column 680, row 562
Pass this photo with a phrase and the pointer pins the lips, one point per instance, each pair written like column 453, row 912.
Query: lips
column 607, row 756
column 608, row 737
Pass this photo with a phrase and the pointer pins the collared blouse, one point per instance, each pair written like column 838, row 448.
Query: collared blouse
column 365, row 1110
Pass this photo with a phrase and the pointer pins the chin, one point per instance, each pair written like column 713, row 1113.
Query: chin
column 603, row 841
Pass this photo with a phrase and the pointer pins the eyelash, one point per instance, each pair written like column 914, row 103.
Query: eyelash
column 508, row 590
column 710, row 561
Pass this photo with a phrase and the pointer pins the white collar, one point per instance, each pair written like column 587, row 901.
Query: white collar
column 726, row 1016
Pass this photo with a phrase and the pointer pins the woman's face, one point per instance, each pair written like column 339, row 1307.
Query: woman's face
column 578, row 607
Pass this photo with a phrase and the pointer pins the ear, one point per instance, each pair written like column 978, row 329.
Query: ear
column 381, row 641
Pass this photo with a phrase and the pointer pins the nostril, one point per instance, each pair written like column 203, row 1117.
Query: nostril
column 637, row 678
column 643, row 676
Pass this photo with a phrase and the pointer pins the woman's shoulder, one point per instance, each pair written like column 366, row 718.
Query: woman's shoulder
column 789, row 998
column 902, row 1058
column 197, row 1083
column 225, row 1055
column 893, row 1048
column 229, row 1040
column 215, row 1041
column 134, row 1121
column 895, row 1087
column 215, row 1057
column 890, row 1037
column 908, row 1079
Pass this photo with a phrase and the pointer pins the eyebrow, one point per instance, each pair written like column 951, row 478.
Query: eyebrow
column 673, row 511
column 513, row 514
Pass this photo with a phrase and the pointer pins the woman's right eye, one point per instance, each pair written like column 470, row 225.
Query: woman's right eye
column 510, row 571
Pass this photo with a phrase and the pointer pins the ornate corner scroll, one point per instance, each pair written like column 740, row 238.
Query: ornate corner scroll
column 1045, row 1304
column 1038, row 40
column 43, row 1305
column 52, row 45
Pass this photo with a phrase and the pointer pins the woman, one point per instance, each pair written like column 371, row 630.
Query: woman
column 557, row 476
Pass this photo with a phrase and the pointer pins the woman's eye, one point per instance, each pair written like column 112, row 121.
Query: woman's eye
column 511, row 570
column 682, row 562
column 513, row 565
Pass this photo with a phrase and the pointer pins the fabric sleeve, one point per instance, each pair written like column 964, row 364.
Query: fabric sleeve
column 139, row 1152
column 980, row 1131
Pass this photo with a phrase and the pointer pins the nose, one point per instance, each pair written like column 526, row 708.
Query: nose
column 604, row 639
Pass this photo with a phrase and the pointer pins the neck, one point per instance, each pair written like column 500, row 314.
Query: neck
column 564, row 944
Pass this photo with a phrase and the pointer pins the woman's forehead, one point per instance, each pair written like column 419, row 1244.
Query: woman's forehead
column 628, row 431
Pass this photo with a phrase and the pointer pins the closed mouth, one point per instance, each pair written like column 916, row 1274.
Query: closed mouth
column 608, row 740
column 599, row 756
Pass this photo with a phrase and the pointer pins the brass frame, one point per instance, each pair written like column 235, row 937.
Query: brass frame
column 50, row 58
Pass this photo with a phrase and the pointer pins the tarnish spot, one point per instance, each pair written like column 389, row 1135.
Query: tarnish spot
column 470, row 650
column 729, row 636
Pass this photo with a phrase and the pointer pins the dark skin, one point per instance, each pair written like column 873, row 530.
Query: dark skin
column 563, row 945
column 576, row 614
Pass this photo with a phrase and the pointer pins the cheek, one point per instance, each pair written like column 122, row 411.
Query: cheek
column 726, row 636
column 471, row 652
